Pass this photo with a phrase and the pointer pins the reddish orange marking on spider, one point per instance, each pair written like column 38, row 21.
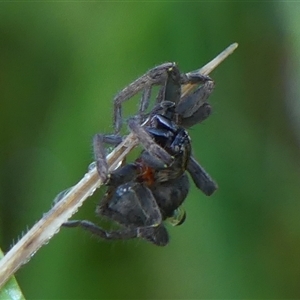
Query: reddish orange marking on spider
column 146, row 173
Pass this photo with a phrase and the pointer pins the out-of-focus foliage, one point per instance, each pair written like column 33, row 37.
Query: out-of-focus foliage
column 61, row 65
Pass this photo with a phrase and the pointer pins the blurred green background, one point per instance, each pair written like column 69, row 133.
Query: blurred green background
column 61, row 65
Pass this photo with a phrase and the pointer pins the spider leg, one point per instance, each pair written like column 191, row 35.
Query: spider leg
column 171, row 194
column 173, row 85
column 148, row 143
column 161, row 94
column 193, row 108
column 100, row 157
column 194, row 78
column 124, row 174
column 132, row 205
column 200, row 177
column 156, row 235
column 112, row 139
column 154, row 76
column 175, row 79
column 126, row 233
column 203, row 112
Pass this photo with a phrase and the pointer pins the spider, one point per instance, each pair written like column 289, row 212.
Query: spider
column 141, row 195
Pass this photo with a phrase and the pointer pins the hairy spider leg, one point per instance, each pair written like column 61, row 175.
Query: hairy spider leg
column 155, row 76
column 201, row 178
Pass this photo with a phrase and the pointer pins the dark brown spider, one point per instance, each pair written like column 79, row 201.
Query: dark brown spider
column 143, row 194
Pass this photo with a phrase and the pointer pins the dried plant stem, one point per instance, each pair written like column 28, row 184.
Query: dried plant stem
column 51, row 222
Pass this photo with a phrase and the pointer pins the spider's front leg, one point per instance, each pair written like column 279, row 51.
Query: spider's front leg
column 155, row 76
column 164, row 158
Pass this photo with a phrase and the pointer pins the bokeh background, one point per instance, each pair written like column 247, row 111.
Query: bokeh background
column 61, row 65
